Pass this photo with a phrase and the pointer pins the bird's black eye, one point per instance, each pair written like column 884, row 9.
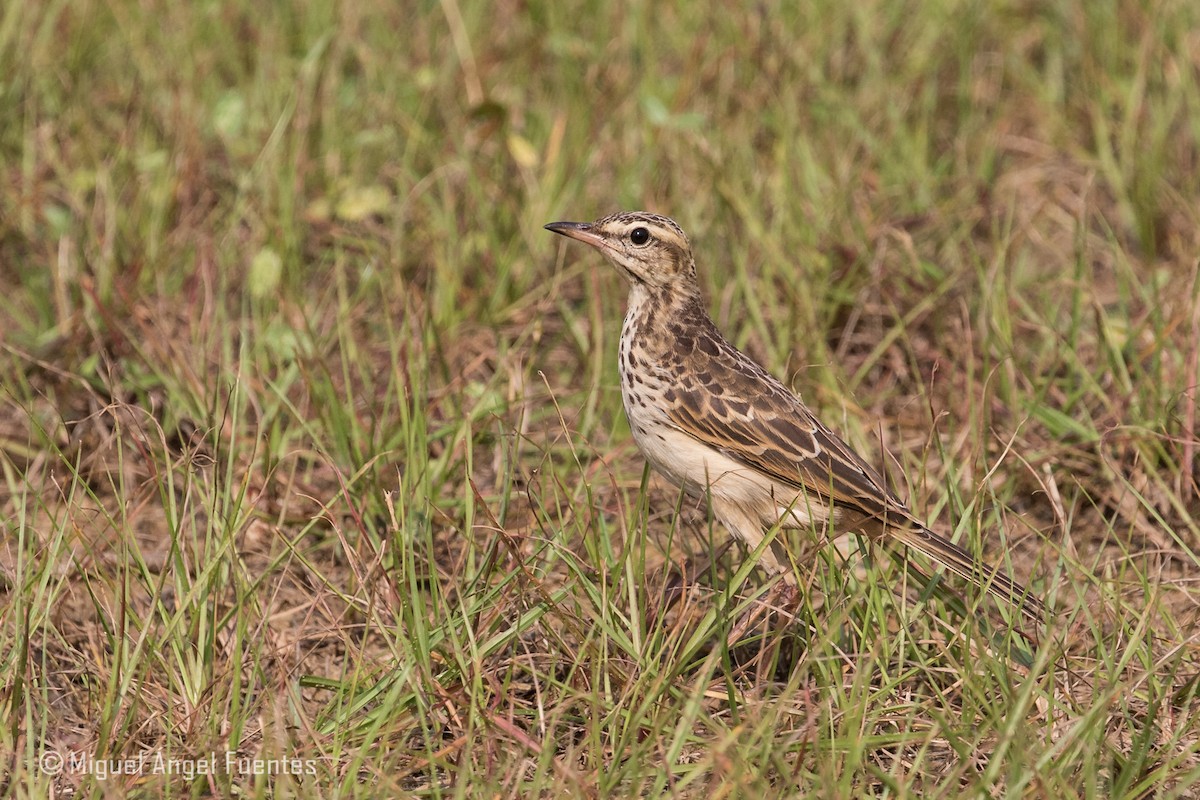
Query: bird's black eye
column 639, row 236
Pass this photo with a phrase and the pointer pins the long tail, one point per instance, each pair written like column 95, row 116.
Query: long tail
column 960, row 562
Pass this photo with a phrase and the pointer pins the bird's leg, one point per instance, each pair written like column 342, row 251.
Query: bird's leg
column 748, row 618
column 789, row 600
column 678, row 583
column 675, row 588
column 681, row 580
column 781, row 598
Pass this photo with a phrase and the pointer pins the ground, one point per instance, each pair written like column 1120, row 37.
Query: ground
column 313, row 457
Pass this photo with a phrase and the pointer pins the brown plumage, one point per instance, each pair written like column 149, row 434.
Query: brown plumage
column 711, row 420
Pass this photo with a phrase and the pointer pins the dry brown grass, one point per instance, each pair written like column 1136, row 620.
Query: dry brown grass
column 381, row 513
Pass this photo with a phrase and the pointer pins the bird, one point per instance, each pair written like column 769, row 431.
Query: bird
column 715, row 423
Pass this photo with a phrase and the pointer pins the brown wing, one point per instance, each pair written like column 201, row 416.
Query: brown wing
column 749, row 416
column 786, row 443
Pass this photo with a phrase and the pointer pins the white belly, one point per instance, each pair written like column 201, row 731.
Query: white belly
column 706, row 472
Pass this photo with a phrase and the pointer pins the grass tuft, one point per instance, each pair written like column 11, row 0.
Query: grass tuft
column 312, row 460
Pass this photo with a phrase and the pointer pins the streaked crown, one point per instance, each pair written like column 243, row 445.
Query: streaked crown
column 646, row 248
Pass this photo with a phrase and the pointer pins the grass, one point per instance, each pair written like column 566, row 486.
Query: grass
column 312, row 449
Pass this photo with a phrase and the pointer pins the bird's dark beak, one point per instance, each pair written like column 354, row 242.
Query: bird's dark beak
column 583, row 231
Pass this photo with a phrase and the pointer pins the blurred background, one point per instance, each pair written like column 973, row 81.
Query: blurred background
column 297, row 397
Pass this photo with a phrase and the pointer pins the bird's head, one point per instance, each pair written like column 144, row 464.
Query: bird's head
column 647, row 249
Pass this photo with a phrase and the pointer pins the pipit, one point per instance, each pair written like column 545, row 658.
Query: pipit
column 714, row 422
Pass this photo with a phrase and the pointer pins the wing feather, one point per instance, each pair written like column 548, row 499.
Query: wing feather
column 787, row 444
column 725, row 400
